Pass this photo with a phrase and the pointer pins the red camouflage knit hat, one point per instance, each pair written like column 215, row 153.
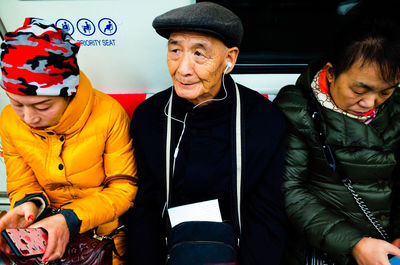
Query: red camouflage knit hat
column 39, row 59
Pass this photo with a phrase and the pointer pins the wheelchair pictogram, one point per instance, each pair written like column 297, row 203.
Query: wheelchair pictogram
column 107, row 26
column 85, row 27
column 65, row 25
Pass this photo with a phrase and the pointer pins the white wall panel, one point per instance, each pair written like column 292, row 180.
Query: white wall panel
column 135, row 64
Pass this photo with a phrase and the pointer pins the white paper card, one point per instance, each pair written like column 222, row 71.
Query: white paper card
column 199, row 211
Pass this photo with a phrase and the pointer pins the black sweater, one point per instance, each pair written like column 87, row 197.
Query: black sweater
column 203, row 171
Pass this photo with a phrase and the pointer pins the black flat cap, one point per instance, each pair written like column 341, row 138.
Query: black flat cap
column 205, row 17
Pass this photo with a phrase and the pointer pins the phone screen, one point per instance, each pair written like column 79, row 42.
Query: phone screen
column 395, row 261
column 26, row 241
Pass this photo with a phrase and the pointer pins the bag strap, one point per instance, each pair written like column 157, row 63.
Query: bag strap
column 238, row 150
column 108, row 180
column 168, row 151
column 331, row 161
column 111, row 239
column 238, row 125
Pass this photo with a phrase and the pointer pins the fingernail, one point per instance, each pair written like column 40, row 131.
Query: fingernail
column 30, row 218
column 45, row 260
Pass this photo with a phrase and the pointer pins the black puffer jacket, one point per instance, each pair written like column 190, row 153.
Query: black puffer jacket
column 317, row 203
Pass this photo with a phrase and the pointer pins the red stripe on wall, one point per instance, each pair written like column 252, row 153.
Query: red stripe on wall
column 129, row 101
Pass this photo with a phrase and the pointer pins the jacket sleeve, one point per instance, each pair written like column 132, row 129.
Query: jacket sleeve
column 146, row 228
column 263, row 215
column 117, row 197
column 21, row 181
column 145, row 225
column 323, row 228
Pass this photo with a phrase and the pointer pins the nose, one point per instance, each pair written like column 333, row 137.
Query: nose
column 30, row 116
column 185, row 67
column 368, row 101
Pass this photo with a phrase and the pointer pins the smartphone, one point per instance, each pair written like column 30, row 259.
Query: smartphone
column 394, row 261
column 26, row 242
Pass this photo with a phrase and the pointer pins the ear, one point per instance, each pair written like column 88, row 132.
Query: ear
column 330, row 72
column 231, row 56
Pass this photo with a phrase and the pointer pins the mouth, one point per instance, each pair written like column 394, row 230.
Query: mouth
column 363, row 113
column 37, row 128
column 186, row 84
column 359, row 112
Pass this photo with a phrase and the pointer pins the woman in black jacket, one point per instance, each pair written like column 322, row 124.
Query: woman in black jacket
column 344, row 116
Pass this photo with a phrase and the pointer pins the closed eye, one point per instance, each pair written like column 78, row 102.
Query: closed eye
column 358, row 92
column 387, row 92
column 42, row 109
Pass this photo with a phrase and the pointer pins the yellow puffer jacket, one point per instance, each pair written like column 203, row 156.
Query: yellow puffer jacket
column 69, row 163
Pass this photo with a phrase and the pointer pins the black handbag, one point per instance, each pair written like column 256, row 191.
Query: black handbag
column 314, row 256
column 203, row 242
column 82, row 249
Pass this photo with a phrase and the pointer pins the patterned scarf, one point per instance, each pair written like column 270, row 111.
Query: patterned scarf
column 321, row 91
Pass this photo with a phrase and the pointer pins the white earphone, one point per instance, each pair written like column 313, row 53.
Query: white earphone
column 228, row 65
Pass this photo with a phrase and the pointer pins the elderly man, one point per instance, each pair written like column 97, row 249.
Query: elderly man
column 203, row 41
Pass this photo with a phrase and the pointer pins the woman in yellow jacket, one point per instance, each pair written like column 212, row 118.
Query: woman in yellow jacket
column 66, row 145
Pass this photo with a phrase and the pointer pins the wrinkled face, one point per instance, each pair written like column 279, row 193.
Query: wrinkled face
column 38, row 111
column 196, row 63
column 359, row 89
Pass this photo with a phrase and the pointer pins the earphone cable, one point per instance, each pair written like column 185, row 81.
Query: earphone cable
column 216, row 99
column 177, row 146
column 184, row 119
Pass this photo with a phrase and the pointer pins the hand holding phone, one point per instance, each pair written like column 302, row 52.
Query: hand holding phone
column 26, row 242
